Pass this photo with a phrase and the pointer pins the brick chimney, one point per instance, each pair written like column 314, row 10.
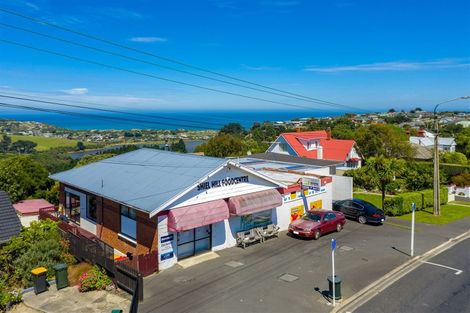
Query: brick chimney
column 298, row 129
column 328, row 133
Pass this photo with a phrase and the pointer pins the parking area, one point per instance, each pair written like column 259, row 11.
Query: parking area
column 289, row 274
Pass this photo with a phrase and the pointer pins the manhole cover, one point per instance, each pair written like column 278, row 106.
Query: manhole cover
column 234, row 264
column 288, row 277
column 345, row 248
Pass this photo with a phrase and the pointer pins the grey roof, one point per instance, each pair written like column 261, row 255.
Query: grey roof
column 10, row 224
column 144, row 179
column 422, row 153
column 294, row 159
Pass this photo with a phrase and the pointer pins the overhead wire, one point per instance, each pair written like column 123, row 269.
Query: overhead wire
column 3, row 95
column 15, row 43
column 129, row 48
column 321, row 102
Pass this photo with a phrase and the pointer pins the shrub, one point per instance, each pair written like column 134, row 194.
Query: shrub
column 76, row 271
column 401, row 204
column 8, row 297
column 38, row 245
column 94, row 279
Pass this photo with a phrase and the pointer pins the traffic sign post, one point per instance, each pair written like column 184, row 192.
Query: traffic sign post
column 413, row 209
column 333, row 247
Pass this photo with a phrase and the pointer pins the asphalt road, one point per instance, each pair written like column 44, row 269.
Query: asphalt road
column 364, row 254
column 430, row 287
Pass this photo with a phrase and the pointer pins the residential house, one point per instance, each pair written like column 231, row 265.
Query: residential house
column 9, row 222
column 318, row 145
column 426, row 139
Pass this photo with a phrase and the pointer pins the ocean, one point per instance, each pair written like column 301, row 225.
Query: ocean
column 191, row 120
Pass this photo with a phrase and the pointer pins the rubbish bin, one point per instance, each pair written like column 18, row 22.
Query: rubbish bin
column 337, row 287
column 61, row 279
column 39, row 279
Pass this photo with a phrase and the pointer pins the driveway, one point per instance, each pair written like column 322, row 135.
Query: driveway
column 252, row 280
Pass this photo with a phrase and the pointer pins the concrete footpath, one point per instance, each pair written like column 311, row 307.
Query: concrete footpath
column 70, row 300
column 289, row 274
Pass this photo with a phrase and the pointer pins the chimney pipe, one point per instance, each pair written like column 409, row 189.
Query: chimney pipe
column 319, row 152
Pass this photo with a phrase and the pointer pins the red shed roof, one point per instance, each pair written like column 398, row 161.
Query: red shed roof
column 32, row 207
column 333, row 149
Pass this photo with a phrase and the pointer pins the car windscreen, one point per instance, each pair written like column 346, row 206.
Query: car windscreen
column 312, row 217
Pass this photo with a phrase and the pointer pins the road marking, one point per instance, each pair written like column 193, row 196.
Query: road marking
column 457, row 271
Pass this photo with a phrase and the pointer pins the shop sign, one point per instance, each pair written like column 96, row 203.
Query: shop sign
column 166, row 238
column 222, row 182
column 311, row 183
column 296, row 212
column 316, row 205
column 166, row 256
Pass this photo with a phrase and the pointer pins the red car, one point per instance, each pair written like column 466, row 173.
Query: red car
column 316, row 223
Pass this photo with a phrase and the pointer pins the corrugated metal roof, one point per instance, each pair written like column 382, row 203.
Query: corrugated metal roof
column 10, row 224
column 144, row 179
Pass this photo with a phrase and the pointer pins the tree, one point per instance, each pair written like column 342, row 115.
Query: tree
column 392, row 110
column 80, row 146
column 266, row 132
column 233, row 129
column 418, row 109
column 383, row 139
column 383, row 171
column 419, row 176
column 21, row 177
column 342, row 131
column 23, row 146
column 178, row 146
column 222, row 145
column 5, row 143
column 454, row 158
column 461, row 180
column 94, row 158
column 463, row 142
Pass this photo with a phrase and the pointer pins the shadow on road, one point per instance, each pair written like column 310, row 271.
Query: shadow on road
column 405, row 253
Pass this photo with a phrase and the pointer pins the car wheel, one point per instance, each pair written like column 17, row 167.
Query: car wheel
column 339, row 227
column 362, row 219
column 317, row 234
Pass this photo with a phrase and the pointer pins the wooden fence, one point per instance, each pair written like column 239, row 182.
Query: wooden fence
column 127, row 273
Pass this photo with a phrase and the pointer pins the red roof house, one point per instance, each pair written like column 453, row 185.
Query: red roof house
column 317, row 145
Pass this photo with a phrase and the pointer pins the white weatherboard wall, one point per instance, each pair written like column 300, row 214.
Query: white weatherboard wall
column 85, row 223
column 284, row 212
column 342, row 187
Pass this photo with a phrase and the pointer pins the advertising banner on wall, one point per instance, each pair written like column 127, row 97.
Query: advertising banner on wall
column 296, row 212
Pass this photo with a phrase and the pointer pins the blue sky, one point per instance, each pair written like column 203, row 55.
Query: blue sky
column 367, row 54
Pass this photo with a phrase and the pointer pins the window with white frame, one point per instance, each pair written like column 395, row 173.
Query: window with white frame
column 128, row 222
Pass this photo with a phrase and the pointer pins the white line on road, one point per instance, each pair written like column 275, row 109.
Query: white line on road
column 457, row 271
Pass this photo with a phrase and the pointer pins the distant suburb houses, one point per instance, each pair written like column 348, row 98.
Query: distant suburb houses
column 181, row 205
column 318, row 145
column 426, row 139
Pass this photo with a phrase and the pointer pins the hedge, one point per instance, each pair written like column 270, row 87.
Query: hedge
column 401, row 204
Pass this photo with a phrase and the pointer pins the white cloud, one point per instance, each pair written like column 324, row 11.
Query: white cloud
column 121, row 13
column 76, row 91
column 393, row 66
column 148, row 39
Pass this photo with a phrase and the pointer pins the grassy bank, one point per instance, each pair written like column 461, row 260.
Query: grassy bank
column 449, row 213
column 45, row 143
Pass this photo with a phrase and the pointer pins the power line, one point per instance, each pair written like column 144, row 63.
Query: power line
column 150, row 75
column 93, row 116
column 169, row 67
column 107, row 110
column 109, row 42
column 110, row 106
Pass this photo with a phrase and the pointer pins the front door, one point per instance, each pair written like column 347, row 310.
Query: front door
column 194, row 241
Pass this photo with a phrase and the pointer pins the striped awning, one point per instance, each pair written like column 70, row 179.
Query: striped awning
column 197, row 215
column 254, row 202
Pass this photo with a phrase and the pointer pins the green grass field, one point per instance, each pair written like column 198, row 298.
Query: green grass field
column 375, row 199
column 44, row 143
column 449, row 213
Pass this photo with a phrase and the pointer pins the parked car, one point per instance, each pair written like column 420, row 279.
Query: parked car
column 316, row 223
column 360, row 210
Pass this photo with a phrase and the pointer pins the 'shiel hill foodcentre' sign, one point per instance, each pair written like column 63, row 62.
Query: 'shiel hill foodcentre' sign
column 222, row 182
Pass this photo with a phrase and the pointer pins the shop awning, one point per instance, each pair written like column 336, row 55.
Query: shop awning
column 254, row 202
column 197, row 215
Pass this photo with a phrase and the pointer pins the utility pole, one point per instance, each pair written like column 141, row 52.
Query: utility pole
column 437, row 206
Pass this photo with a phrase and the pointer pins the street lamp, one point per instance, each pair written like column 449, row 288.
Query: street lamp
column 437, row 205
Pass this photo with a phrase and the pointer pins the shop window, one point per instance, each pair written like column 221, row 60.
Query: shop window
column 257, row 219
column 91, row 208
column 128, row 222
